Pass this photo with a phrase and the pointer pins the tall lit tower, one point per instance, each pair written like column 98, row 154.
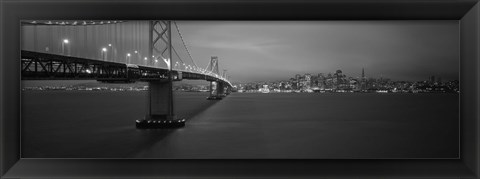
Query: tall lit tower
column 363, row 82
column 363, row 73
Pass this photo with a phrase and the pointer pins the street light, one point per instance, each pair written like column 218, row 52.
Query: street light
column 104, row 53
column 111, row 51
column 152, row 61
column 65, row 41
column 128, row 58
column 139, row 56
column 176, row 64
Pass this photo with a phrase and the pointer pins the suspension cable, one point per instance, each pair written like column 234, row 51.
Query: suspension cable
column 177, row 54
column 183, row 41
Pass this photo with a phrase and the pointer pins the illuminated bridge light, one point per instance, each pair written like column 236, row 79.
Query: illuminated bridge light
column 110, row 54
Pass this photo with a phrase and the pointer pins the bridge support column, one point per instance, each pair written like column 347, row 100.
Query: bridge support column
column 229, row 90
column 221, row 89
column 215, row 93
column 160, row 107
column 160, row 102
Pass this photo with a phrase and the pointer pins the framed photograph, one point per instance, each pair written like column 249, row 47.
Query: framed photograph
column 239, row 89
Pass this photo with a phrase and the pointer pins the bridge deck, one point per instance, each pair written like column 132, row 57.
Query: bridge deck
column 45, row 66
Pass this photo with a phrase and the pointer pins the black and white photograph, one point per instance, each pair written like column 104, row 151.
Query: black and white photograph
column 191, row 89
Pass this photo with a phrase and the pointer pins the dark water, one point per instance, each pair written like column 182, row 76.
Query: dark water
column 97, row 124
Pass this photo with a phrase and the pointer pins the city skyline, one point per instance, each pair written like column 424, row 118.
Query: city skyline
column 409, row 50
column 357, row 76
column 339, row 82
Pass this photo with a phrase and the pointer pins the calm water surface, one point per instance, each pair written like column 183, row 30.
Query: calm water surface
column 100, row 124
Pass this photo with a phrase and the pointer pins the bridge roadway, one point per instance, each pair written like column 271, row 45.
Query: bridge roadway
column 160, row 113
column 45, row 66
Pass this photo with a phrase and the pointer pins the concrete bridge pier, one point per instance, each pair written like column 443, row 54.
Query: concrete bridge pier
column 160, row 107
column 221, row 89
column 216, row 90
column 160, row 101
column 228, row 90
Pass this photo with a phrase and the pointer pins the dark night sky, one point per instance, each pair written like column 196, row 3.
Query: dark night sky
column 257, row 51
column 277, row 50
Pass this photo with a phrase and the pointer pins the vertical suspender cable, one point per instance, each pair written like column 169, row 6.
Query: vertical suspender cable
column 34, row 37
column 49, row 47
column 77, row 39
column 115, row 38
column 85, row 40
column 94, row 37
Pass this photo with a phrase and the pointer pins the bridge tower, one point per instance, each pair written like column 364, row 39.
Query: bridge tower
column 228, row 89
column 216, row 87
column 160, row 102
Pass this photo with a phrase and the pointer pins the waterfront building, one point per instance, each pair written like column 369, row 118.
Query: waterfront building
column 307, row 81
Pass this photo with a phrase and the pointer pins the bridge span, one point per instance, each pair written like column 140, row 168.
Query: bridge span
column 47, row 65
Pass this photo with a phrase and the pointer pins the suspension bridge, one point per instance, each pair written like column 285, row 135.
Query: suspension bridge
column 119, row 52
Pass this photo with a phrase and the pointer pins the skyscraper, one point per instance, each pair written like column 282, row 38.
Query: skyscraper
column 432, row 79
column 363, row 81
column 363, row 73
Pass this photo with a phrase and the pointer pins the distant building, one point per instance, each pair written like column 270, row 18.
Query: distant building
column 307, row 81
column 432, row 79
column 297, row 76
column 363, row 81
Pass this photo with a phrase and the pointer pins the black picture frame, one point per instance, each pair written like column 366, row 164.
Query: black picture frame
column 466, row 11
